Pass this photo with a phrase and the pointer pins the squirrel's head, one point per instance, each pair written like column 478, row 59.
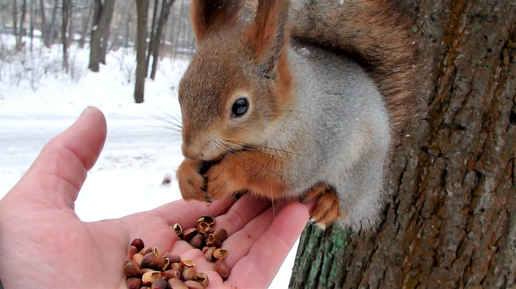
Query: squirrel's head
column 238, row 85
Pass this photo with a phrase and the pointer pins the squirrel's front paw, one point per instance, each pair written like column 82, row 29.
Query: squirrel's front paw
column 191, row 182
column 224, row 179
column 327, row 207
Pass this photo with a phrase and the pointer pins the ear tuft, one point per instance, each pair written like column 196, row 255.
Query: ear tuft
column 209, row 15
column 268, row 35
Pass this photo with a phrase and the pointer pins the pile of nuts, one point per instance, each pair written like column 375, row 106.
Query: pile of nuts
column 148, row 268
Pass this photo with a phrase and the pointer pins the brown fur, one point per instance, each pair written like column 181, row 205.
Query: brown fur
column 213, row 16
column 375, row 33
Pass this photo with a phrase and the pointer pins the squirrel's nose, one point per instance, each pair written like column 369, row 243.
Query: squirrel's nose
column 189, row 151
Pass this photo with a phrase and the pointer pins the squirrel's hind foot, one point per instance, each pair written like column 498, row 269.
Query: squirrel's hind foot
column 327, row 207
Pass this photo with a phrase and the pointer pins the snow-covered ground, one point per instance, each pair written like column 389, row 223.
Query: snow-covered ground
column 38, row 101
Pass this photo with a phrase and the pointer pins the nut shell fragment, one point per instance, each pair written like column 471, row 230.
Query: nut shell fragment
column 177, row 228
column 149, row 277
column 220, row 254
column 188, row 263
column 202, row 279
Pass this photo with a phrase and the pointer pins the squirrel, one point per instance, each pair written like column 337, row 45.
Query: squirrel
column 300, row 99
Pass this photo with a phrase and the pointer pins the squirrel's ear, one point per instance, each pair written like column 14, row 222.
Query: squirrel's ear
column 212, row 14
column 268, row 35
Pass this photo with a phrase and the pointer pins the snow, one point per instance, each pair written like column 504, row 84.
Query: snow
column 38, row 101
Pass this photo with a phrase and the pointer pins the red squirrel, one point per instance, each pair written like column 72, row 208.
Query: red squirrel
column 295, row 99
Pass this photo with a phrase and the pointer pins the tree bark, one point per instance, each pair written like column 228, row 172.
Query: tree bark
column 142, row 10
column 163, row 18
column 451, row 218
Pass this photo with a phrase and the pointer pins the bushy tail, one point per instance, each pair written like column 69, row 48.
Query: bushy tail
column 374, row 33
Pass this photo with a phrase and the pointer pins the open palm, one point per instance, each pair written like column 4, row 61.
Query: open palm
column 44, row 245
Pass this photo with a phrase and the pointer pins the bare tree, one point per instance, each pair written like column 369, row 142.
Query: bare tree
column 152, row 35
column 451, row 221
column 49, row 40
column 65, row 19
column 44, row 25
column 142, row 10
column 85, row 24
column 102, row 15
column 163, row 18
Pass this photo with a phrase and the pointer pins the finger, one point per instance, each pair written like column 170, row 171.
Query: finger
column 241, row 242
column 55, row 177
column 268, row 253
column 241, row 213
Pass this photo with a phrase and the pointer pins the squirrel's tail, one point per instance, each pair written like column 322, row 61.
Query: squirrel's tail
column 374, row 33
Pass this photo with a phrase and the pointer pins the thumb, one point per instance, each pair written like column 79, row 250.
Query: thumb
column 56, row 176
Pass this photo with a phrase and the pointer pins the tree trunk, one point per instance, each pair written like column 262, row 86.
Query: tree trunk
column 86, row 24
column 451, row 220
column 65, row 7
column 163, row 18
column 21, row 31
column 107, row 12
column 44, row 26
column 32, row 15
column 50, row 37
column 102, row 16
column 152, row 34
column 142, row 10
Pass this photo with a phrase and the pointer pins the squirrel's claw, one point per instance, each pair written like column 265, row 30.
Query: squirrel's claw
column 191, row 184
column 327, row 207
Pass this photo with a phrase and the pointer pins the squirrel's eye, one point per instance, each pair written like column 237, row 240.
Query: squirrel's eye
column 239, row 107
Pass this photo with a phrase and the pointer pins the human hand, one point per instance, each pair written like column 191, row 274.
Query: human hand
column 43, row 244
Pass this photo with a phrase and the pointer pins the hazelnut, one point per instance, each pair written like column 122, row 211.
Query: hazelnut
column 188, row 234
column 173, row 258
column 132, row 250
column 132, row 269
column 172, row 273
column 197, row 241
column 159, row 284
column 221, row 268
column 177, row 266
column 193, row 285
column 153, row 260
column 176, row 284
column 221, row 235
column 134, row 283
column 138, row 243
column 208, row 255
column 188, row 274
column 146, row 250
column 138, row 258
